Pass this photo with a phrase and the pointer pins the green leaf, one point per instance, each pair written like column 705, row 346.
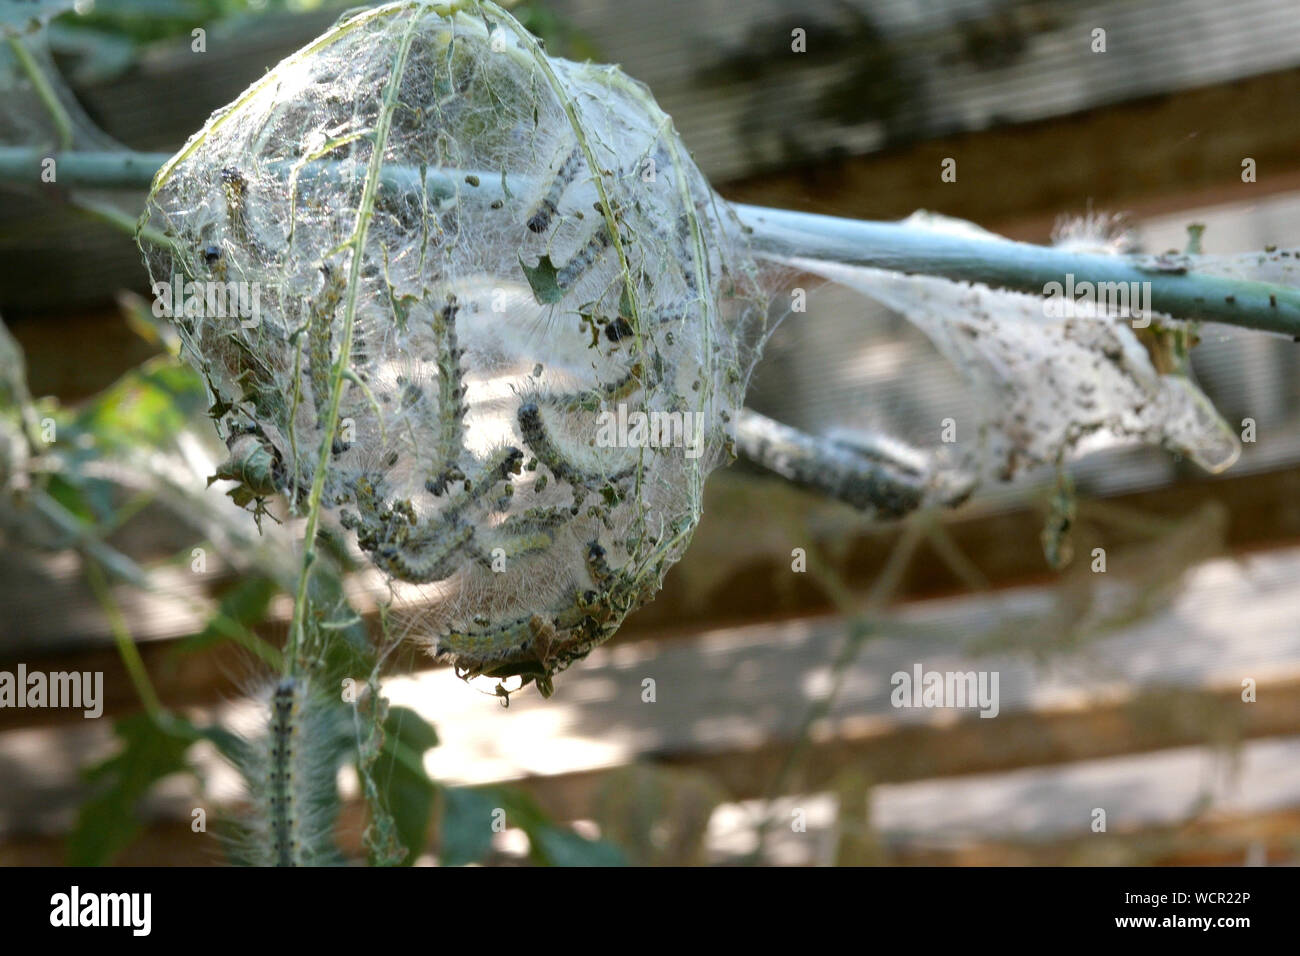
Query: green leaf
column 542, row 278
column 147, row 407
column 245, row 603
column 551, row 844
column 466, row 831
column 625, row 302
column 107, row 823
column 69, row 491
column 408, row 793
column 560, row 846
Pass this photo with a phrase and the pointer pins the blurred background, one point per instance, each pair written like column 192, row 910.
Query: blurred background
column 770, row 737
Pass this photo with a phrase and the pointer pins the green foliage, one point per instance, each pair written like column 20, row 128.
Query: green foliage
column 560, row 846
column 467, row 826
column 542, row 279
column 560, row 35
column 109, row 822
column 244, row 605
column 402, row 808
column 142, row 21
column 146, row 409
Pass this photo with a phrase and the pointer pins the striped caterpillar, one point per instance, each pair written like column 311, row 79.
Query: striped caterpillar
column 289, row 768
column 285, row 803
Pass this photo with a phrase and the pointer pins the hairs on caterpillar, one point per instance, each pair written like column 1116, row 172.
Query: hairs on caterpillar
column 290, row 773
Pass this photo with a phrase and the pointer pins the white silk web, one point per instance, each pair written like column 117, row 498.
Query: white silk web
column 539, row 321
column 541, row 258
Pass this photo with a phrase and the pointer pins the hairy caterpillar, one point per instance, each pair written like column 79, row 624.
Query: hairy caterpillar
column 451, row 394
column 284, row 804
column 581, row 261
column 561, row 465
column 539, row 219
column 289, row 768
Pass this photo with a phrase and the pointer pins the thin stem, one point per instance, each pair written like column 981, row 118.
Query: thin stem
column 126, row 648
column 329, row 421
column 90, row 543
column 863, row 622
column 44, row 92
column 102, row 212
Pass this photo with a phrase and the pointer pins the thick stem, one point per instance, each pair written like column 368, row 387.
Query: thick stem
column 1018, row 266
column 122, row 169
column 783, row 234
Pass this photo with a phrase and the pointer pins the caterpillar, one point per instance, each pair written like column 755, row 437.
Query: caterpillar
column 494, row 641
column 604, row 394
column 320, row 339
column 539, row 440
column 430, row 557
column 584, row 258
column 539, row 218
column 423, row 551
column 451, row 394
column 532, row 532
column 235, row 187
column 285, row 813
column 503, row 463
column 290, row 769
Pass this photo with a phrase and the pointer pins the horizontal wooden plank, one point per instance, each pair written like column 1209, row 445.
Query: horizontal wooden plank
column 1159, row 813
column 727, row 703
column 1004, row 184
column 1264, row 839
column 736, row 573
column 1201, row 805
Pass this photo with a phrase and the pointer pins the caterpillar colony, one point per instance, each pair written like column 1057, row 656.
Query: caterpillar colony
column 489, row 250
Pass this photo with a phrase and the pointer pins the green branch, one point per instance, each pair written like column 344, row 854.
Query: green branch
column 44, row 92
column 1019, row 266
column 122, row 169
column 1180, row 291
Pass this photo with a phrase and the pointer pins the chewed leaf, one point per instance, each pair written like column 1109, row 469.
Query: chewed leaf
column 541, row 279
